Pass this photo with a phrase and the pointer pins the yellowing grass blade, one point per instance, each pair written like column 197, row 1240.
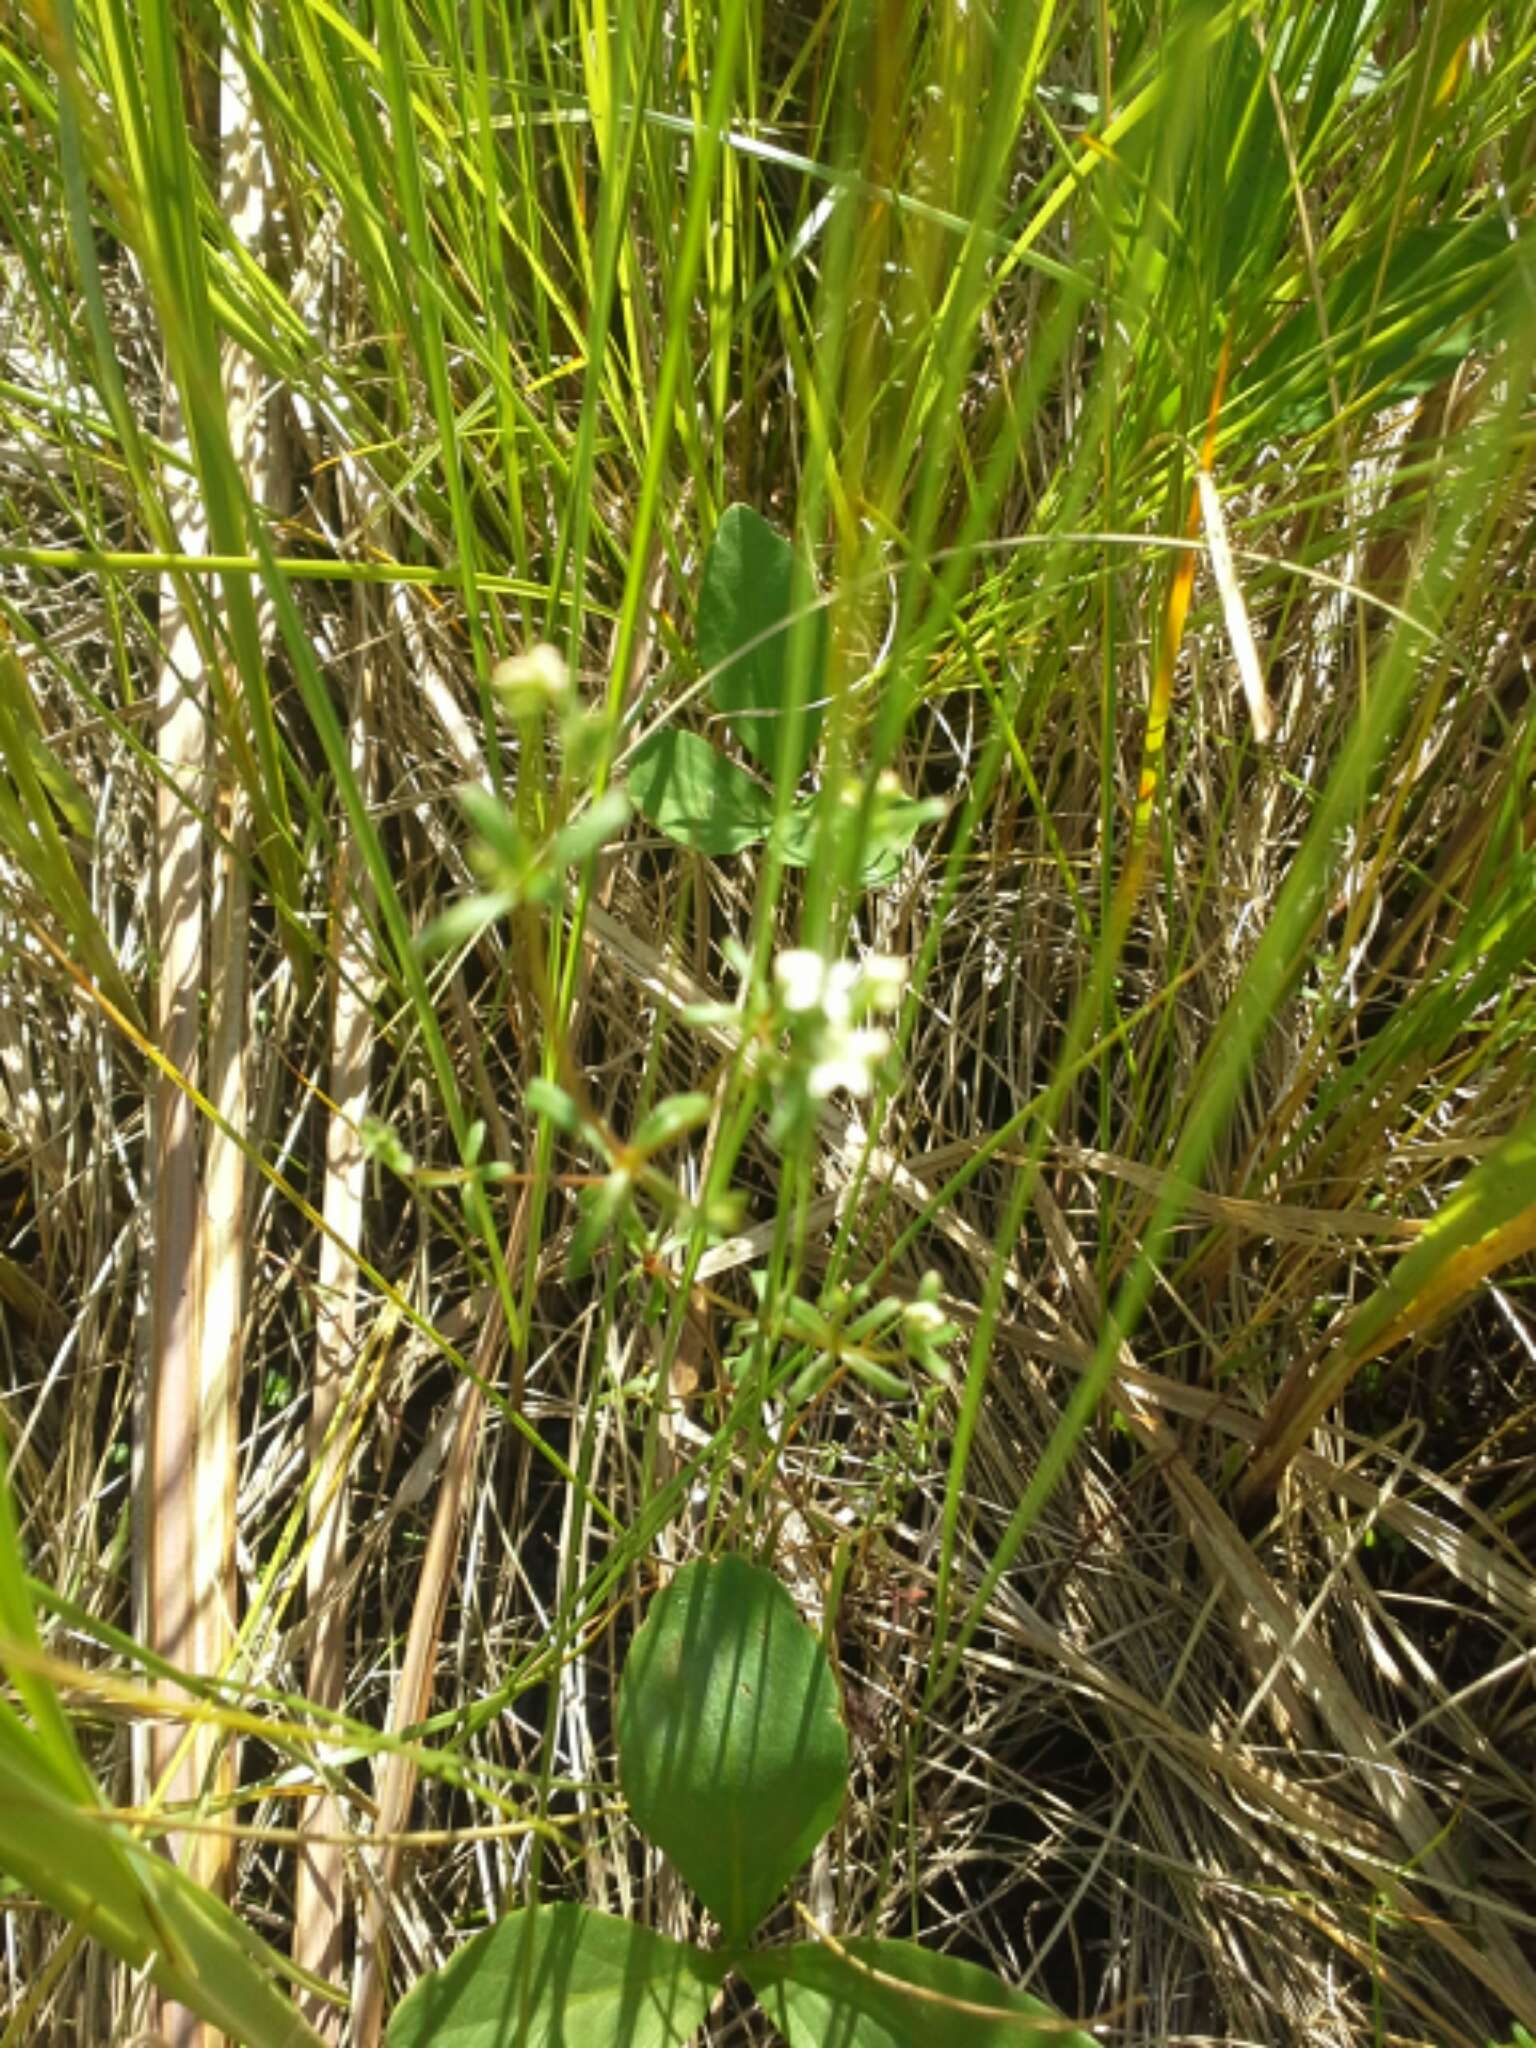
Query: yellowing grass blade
column 1171, row 639
column 1490, row 1220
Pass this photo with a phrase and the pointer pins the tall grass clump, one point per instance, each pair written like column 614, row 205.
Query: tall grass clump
column 766, row 788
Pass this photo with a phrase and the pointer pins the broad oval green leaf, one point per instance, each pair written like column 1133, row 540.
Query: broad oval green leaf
column 757, row 631
column 561, row 1976
column 817, row 1997
column 731, row 1750
column 696, row 796
column 796, row 841
column 894, row 823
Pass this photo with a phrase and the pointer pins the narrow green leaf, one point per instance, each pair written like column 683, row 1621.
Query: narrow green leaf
column 561, row 1976
column 671, row 1120
column 463, row 922
column 30, row 831
column 51, row 1732
column 58, row 1841
column 1398, row 333
column 600, row 1209
column 731, row 1752
column 756, row 627
column 547, row 1098
column 490, row 820
column 888, row 1385
column 68, row 797
column 696, row 796
column 810, row 1379
column 1489, row 1221
column 601, row 821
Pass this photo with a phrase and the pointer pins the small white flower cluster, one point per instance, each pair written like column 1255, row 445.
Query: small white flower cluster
column 823, row 1002
column 538, row 685
column 533, row 682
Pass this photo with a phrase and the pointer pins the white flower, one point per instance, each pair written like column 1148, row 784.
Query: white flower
column 923, row 1318
column 824, row 1001
column 528, row 683
column 801, row 977
column 840, row 997
column 847, row 1059
column 810, row 986
column 883, row 979
column 839, row 989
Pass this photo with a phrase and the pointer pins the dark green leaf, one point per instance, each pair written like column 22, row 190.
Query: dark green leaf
column 1395, row 332
column 894, row 822
column 561, row 1976
column 731, row 1752
column 757, row 633
column 817, row 1999
column 696, row 796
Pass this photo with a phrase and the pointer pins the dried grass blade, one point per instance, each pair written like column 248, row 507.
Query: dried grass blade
column 319, row 1898
column 200, row 1272
column 1250, row 670
column 397, row 1780
column 1300, row 1670
column 178, row 1271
